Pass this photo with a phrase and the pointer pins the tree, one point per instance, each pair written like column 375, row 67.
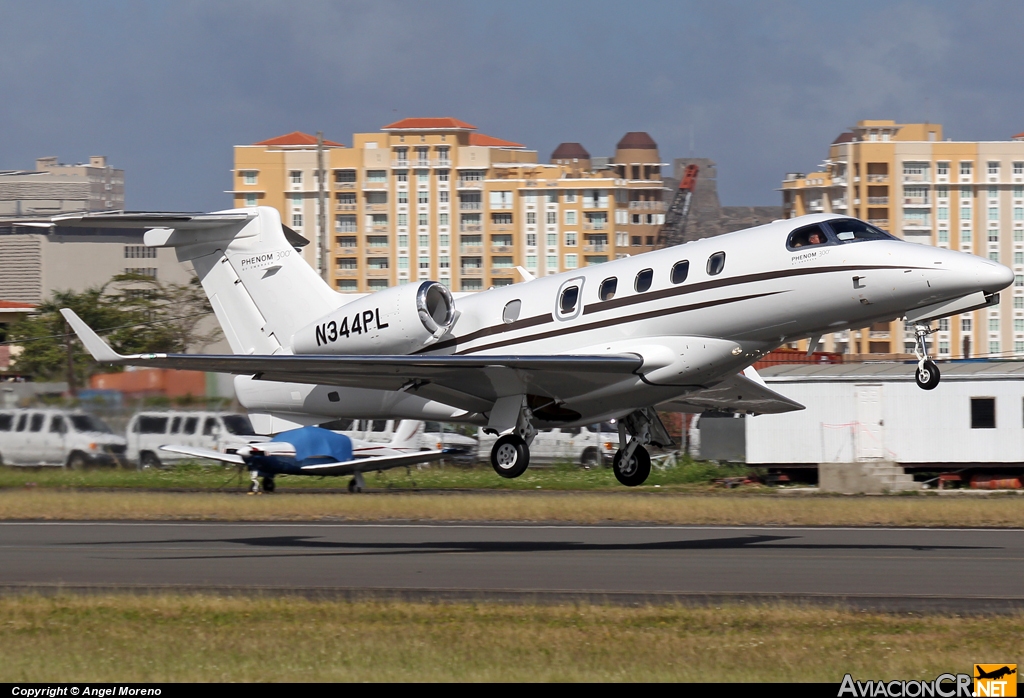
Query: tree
column 136, row 313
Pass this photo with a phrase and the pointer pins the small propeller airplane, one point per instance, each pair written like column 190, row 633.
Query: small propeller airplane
column 675, row 329
column 319, row 452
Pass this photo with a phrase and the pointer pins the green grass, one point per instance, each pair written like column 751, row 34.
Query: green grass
column 208, row 638
column 194, row 476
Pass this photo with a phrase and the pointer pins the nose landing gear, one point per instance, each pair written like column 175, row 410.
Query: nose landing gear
column 927, row 374
column 632, row 464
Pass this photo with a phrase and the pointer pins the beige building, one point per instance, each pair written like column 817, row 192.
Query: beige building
column 431, row 198
column 54, row 188
column 961, row 195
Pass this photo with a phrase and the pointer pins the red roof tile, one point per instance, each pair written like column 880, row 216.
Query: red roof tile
column 15, row 305
column 566, row 151
column 433, row 123
column 492, row 142
column 636, row 140
column 1019, row 137
column 297, row 138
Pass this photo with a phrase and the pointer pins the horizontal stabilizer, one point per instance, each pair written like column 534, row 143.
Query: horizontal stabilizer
column 129, row 219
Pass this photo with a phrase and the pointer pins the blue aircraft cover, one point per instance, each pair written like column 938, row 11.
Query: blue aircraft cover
column 316, row 445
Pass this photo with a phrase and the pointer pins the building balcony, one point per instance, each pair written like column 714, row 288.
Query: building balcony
column 346, row 273
column 879, row 222
column 375, row 208
column 917, row 223
column 647, row 205
column 916, row 201
column 346, row 250
column 471, row 249
column 502, row 271
column 344, row 185
column 839, row 181
column 816, row 207
column 470, row 184
column 470, row 205
column 908, row 177
column 399, row 163
column 878, row 178
column 376, row 272
column 472, row 228
column 346, row 207
column 379, row 228
column 838, row 203
column 597, row 226
column 501, row 248
column 878, row 201
column 471, row 271
column 501, row 227
column 374, row 186
column 597, row 247
column 378, row 249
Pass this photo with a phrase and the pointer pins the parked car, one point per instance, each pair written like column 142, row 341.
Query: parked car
column 57, row 437
column 590, row 446
column 148, row 431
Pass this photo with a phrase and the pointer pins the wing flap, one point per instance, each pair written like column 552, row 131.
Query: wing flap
column 736, row 392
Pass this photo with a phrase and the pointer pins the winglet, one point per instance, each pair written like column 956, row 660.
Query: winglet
column 99, row 349
column 527, row 276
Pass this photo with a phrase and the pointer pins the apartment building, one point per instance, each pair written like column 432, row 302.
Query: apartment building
column 54, row 188
column 433, row 198
column 962, row 195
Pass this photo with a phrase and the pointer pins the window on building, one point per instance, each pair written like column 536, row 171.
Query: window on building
column 424, row 263
column 993, row 234
column 552, row 239
column 377, row 262
column 249, row 176
column 570, row 196
column 374, row 285
column 965, row 324
column 442, row 219
column 346, row 262
column 551, row 261
column 296, row 176
column 636, row 241
column 402, row 176
column 347, row 285
column 444, row 261
column 570, row 238
column 376, row 176
column 1018, row 213
column 531, row 261
column 1018, row 168
column 531, row 218
column 423, row 219
column 571, row 261
column 942, row 168
column 993, row 347
column 1018, row 302
column 943, row 235
column 501, row 219
column 250, row 200
column 965, row 168
column 422, row 176
column 993, row 324
column 1018, row 192
column 403, row 219
column 993, row 168
column 501, row 199
column 296, row 220
column 983, row 413
column 531, row 239
column 346, row 241
column 377, row 240
column 965, row 235
column 965, row 213
column 379, row 219
column 552, row 218
column 942, row 213
column 941, row 192
column 442, row 154
column 403, row 262
column 139, row 252
column 442, row 197
column 552, row 196
column 403, row 196
column 423, row 196
column 344, row 176
column 570, row 218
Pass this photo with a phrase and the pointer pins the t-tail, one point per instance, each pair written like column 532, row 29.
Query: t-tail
column 261, row 289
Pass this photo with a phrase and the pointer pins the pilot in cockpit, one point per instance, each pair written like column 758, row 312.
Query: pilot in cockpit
column 812, row 237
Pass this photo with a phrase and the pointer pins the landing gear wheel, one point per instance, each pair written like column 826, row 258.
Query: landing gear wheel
column 353, row 487
column 510, row 456
column 635, row 471
column 268, row 484
column 927, row 375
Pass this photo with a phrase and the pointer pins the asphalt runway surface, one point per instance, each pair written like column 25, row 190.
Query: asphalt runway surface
column 871, row 568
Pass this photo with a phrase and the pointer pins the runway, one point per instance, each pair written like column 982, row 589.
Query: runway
column 894, row 569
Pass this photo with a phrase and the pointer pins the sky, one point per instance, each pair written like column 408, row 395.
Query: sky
column 165, row 89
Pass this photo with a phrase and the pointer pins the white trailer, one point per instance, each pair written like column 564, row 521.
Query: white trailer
column 875, row 412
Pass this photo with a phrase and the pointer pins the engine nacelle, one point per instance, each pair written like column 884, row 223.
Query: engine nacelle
column 398, row 320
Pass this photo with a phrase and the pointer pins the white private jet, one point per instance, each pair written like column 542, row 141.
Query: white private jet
column 675, row 329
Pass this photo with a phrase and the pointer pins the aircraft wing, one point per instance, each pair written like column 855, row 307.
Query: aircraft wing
column 204, row 453
column 373, row 463
column 737, row 392
column 472, row 383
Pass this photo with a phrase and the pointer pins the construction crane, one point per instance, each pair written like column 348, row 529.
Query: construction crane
column 674, row 230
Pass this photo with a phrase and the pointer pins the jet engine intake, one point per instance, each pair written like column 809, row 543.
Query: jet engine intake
column 398, row 320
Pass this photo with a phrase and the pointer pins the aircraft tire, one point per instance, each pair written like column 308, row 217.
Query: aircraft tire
column 510, row 456
column 928, row 376
column 636, row 471
column 353, row 488
column 268, row 484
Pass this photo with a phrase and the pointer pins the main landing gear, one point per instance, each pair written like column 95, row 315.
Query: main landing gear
column 632, row 463
column 254, row 483
column 357, row 483
column 927, row 374
column 510, row 455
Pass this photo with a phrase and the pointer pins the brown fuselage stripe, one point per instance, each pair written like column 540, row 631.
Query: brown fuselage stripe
column 573, row 329
column 640, row 298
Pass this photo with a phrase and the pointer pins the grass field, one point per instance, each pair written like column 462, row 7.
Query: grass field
column 688, row 475
column 209, row 638
column 658, row 506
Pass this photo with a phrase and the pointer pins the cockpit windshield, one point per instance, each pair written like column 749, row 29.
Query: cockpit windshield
column 808, row 236
column 853, row 230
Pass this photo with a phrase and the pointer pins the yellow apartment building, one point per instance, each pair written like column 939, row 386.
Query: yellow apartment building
column 432, row 198
column 913, row 183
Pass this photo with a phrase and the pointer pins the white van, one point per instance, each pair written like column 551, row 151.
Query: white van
column 57, row 437
column 148, row 431
column 589, row 446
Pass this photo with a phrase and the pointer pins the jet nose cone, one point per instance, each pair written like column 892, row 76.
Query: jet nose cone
column 993, row 277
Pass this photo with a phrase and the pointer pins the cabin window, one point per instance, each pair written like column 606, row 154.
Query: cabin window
column 569, row 298
column 853, row 230
column 643, row 280
column 511, row 312
column 808, row 236
column 607, row 290
column 716, row 263
column 680, row 270
column 983, row 413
